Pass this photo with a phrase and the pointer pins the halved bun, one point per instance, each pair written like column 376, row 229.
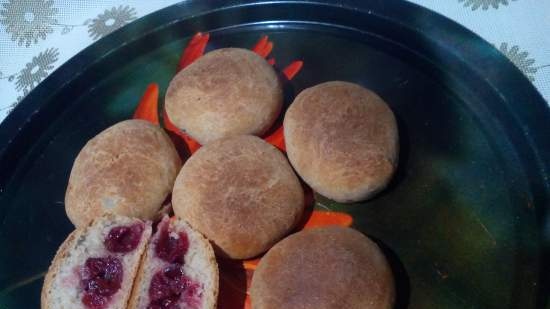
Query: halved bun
column 74, row 275
column 196, row 269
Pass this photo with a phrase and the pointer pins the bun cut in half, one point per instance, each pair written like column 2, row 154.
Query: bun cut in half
column 96, row 265
column 179, row 270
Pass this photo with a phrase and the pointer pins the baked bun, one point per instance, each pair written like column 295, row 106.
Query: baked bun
column 179, row 268
column 227, row 92
column 128, row 169
column 342, row 140
column 96, row 265
column 323, row 268
column 240, row 193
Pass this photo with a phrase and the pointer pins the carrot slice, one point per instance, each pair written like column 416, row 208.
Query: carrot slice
column 251, row 264
column 192, row 144
column 263, row 47
column 277, row 138
column 194, row 50
column 292, row 69
column 247, row 302
column 147, row 108
column 267, row 49
column 327, row 218
column 260, row 45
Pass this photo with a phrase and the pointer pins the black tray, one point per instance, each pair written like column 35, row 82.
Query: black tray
column 463, row 221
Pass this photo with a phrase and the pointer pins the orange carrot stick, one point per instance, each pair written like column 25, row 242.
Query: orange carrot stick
column 147, row 108
column 260, row 45
column 327, row 218
column 263, row 47
column 194, row 50
column 251, row 264
column 192, row 144
column 277, row 139
column 267, row 50
column 292, row 69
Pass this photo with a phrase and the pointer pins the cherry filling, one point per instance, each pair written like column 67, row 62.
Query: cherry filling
column 171, row 247
column 100, row 278
column 123, row 239
column 169, row 286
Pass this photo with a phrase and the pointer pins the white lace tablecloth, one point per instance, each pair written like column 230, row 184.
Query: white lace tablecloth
column 37, row 36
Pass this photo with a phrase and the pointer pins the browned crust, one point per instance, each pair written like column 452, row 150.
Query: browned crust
column 240, row 193
column 138, row 281
column 127, row 169
column 323, row 268
column 211, row 258
column 60, row 255
column 207, row 247
column 342, row 140
column 227, row 92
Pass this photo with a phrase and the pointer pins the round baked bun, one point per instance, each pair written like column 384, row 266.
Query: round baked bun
column 240, row 193
column 128, row 169
column 227, row 92
column 323, row 268
column 342, row 140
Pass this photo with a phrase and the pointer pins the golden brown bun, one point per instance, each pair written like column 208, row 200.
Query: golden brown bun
column 323, row 268
column 227, row 92
column 240, row 193
column 127, row 169
column 342, row 140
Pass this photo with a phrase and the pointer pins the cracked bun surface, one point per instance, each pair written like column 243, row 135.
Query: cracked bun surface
column 323, row 268
column 342, row 139
column 226, row 92
column 128, row 169
column 241, row 193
